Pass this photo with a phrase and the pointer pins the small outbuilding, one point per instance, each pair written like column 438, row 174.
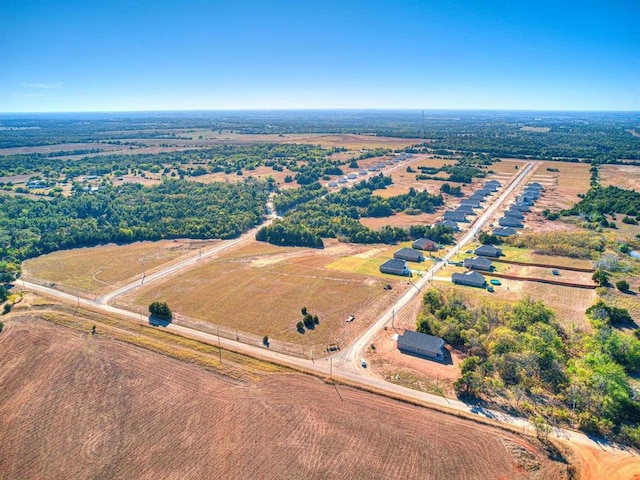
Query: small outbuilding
column 470, row 278
column 488, row 251
column 395, row 267
column 478, row 263
column 409, row 254
column 421, row 344
column 425, row 244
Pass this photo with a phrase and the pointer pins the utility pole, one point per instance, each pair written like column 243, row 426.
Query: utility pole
column 393, row 318
column 219, row 346
column 331, row 368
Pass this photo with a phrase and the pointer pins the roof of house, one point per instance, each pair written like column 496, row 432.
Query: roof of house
column 470, row 278
column 394, row 266
column 478, row 263
column 510, row 222
column 470, row 201
column 535, row 185
column 409, row 254
column 421, row 341
column 493, row 182
column 425, row 244
column 456, row 216
column 520, row 207
column 488, row 251
column 468, row 209
column 514, row 213
column 449, row 224
column 504, row 232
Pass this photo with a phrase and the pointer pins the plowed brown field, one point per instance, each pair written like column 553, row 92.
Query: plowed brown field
column 76, row 406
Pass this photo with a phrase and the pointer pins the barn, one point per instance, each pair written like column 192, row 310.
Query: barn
column 425, row 244
column 408, row 254
column 395, row 267
column 421, row 344
column 470, row 278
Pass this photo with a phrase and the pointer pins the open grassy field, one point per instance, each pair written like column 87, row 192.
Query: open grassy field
column 561, row 187
column 96, row 270
column 260, row 289
column 622, row 176
column 75, row 406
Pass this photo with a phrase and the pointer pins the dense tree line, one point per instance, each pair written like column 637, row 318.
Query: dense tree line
column 127, row 213
column 606, row 201
column 521, row 353
column 337, row 215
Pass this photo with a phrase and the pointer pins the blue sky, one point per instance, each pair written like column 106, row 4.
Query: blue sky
column 59, row 56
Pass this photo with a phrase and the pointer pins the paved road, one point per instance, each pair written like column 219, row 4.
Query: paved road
column 344, row 366
column 349, row 358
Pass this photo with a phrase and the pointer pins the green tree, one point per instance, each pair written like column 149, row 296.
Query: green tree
column 622, row 285
column 160, row 309
column 600, row 277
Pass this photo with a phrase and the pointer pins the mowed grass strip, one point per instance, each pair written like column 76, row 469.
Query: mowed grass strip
column 263, row 294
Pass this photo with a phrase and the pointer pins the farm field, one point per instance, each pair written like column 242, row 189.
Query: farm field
column 97, row 270
column 259, row 289
column 92, row 407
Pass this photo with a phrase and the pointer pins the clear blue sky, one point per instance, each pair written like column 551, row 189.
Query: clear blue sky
column 70, row 55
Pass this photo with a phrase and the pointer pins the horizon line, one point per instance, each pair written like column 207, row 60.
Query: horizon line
column 317, row 109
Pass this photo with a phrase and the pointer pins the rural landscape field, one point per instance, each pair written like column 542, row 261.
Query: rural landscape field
column 319, row 240
column 277, row 311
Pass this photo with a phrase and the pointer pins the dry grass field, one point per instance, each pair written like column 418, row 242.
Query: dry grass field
column 97, row 270
column 80, row 406
column 622, row 176
column 260, row 289
column 562, row 187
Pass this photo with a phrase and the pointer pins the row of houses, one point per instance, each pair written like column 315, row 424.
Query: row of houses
column 467, row 206
column 513, row 217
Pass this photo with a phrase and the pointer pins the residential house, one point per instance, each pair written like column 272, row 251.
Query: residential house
column 470, row 278
column 416, row 343
column 395, row 267
column 409, row 254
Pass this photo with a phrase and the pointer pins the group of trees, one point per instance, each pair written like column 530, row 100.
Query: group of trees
column 309, row 321
column 607, row 201
column 337, row 215
column 128, row 213
column 521, row 352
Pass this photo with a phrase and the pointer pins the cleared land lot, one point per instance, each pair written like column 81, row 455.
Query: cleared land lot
column 97, row 270
column 260, row 289
column 622, row 176
column 77, row 406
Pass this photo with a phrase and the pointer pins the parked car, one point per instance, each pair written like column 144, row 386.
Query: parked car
column 555, row 272
column 363, row 363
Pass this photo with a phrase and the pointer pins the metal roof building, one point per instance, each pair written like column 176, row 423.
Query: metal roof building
column 488, row 251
